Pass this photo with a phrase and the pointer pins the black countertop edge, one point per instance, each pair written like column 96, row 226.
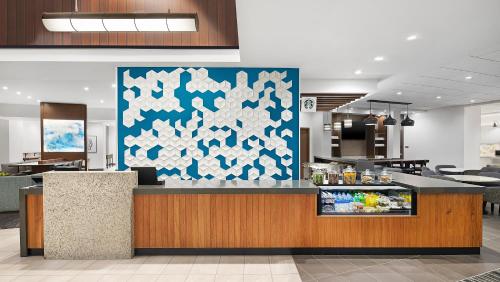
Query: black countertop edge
column 35, row 189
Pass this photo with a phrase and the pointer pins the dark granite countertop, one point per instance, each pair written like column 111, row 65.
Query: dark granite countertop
column 422, row 184
column 34, row 189
column 229, row 187
column 417, row 183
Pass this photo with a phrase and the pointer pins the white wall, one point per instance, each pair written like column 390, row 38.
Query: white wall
column 111, row 147
column 472, row 136
column 490, row 135
column 97, row 160
column 4, row 141
column 24, row 137
column 445, row 136
column 319, row 139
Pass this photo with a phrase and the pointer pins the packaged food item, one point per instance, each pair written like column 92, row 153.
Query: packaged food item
column 396, row 202
column 385, row 177
column 367, row 177
column 357, row 207
column 333, row 177
column 328, row 202
column 371, row 200
column 383, row 201
column 349, row 175
column 318, row 177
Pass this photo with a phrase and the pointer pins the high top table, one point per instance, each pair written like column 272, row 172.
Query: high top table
column 475, row 179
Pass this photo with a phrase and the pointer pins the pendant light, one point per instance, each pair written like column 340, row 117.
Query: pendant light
column 390, row 120
column 348, row 121
column 337, row 125
column 371, row 119
column 407, row 121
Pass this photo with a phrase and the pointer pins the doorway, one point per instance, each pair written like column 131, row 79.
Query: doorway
column 304, row 149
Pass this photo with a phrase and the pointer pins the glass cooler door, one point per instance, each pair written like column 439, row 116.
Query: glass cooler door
column 366, row 200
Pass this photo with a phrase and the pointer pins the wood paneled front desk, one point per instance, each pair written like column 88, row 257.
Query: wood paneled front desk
column 185, row 217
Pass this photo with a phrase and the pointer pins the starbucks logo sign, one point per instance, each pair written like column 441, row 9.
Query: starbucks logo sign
column 308, row 104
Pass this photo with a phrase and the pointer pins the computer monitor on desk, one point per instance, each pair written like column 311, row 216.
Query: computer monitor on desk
column 147, row 175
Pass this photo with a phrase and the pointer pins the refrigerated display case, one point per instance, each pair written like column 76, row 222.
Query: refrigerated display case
column 366, row 200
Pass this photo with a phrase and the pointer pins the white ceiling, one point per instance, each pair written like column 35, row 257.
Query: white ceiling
column 326, row 39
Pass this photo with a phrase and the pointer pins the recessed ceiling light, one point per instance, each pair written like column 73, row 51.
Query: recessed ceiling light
column 438, row 97
column 399, row 93
column 468, row 77
column 5, row 88
column 472, row 101
column 358, row 72
column 29, row 97
column 86, row 88
column 101, row 101
column 378, row 58
column 18, row 92
column 411, row 37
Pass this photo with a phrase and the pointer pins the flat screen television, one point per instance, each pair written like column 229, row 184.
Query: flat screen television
column 61, row 135
column 357, row 131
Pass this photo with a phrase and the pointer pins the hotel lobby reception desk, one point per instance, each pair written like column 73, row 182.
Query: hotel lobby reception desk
column 245, row 217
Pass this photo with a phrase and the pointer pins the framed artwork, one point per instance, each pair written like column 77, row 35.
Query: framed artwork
column 63, row 135
column 91, row 144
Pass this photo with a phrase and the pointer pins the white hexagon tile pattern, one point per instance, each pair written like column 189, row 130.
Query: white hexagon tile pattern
column 209, row 123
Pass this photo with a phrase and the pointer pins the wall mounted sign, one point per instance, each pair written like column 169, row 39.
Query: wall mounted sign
column 308, row 104
column 209, row 123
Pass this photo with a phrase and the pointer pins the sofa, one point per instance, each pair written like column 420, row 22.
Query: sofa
column 9, row 191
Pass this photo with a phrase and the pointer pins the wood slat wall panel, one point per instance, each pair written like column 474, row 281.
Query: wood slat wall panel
column 21, row 25
column 265, row 221
column 327, row 101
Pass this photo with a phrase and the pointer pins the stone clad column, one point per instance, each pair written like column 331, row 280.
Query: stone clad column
column 88, row 215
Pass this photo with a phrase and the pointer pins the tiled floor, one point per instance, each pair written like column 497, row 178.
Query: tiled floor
column 404, row 268
column 252, row 268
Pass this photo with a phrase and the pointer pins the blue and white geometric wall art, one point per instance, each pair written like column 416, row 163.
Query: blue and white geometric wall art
column 210, row 123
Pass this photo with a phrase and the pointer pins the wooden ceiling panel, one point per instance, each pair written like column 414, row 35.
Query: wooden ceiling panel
column 21, row 24
column 329, row 101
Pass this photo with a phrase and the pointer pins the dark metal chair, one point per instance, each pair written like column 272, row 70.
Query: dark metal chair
column 362, row 165
column 490, row 169
column 472, row 172
column 492, row 193
column 427, row 172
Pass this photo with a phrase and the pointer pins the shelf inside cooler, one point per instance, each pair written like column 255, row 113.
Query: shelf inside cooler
column 363, row 187
column 391, row 212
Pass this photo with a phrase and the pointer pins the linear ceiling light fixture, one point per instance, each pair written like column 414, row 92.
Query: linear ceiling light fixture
column 407, row 121
column 119, row 22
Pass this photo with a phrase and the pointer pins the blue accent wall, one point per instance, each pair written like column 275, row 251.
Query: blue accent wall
column 210, row 123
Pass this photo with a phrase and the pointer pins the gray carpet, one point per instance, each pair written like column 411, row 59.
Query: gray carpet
column 489, row 276
column 9, row 220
